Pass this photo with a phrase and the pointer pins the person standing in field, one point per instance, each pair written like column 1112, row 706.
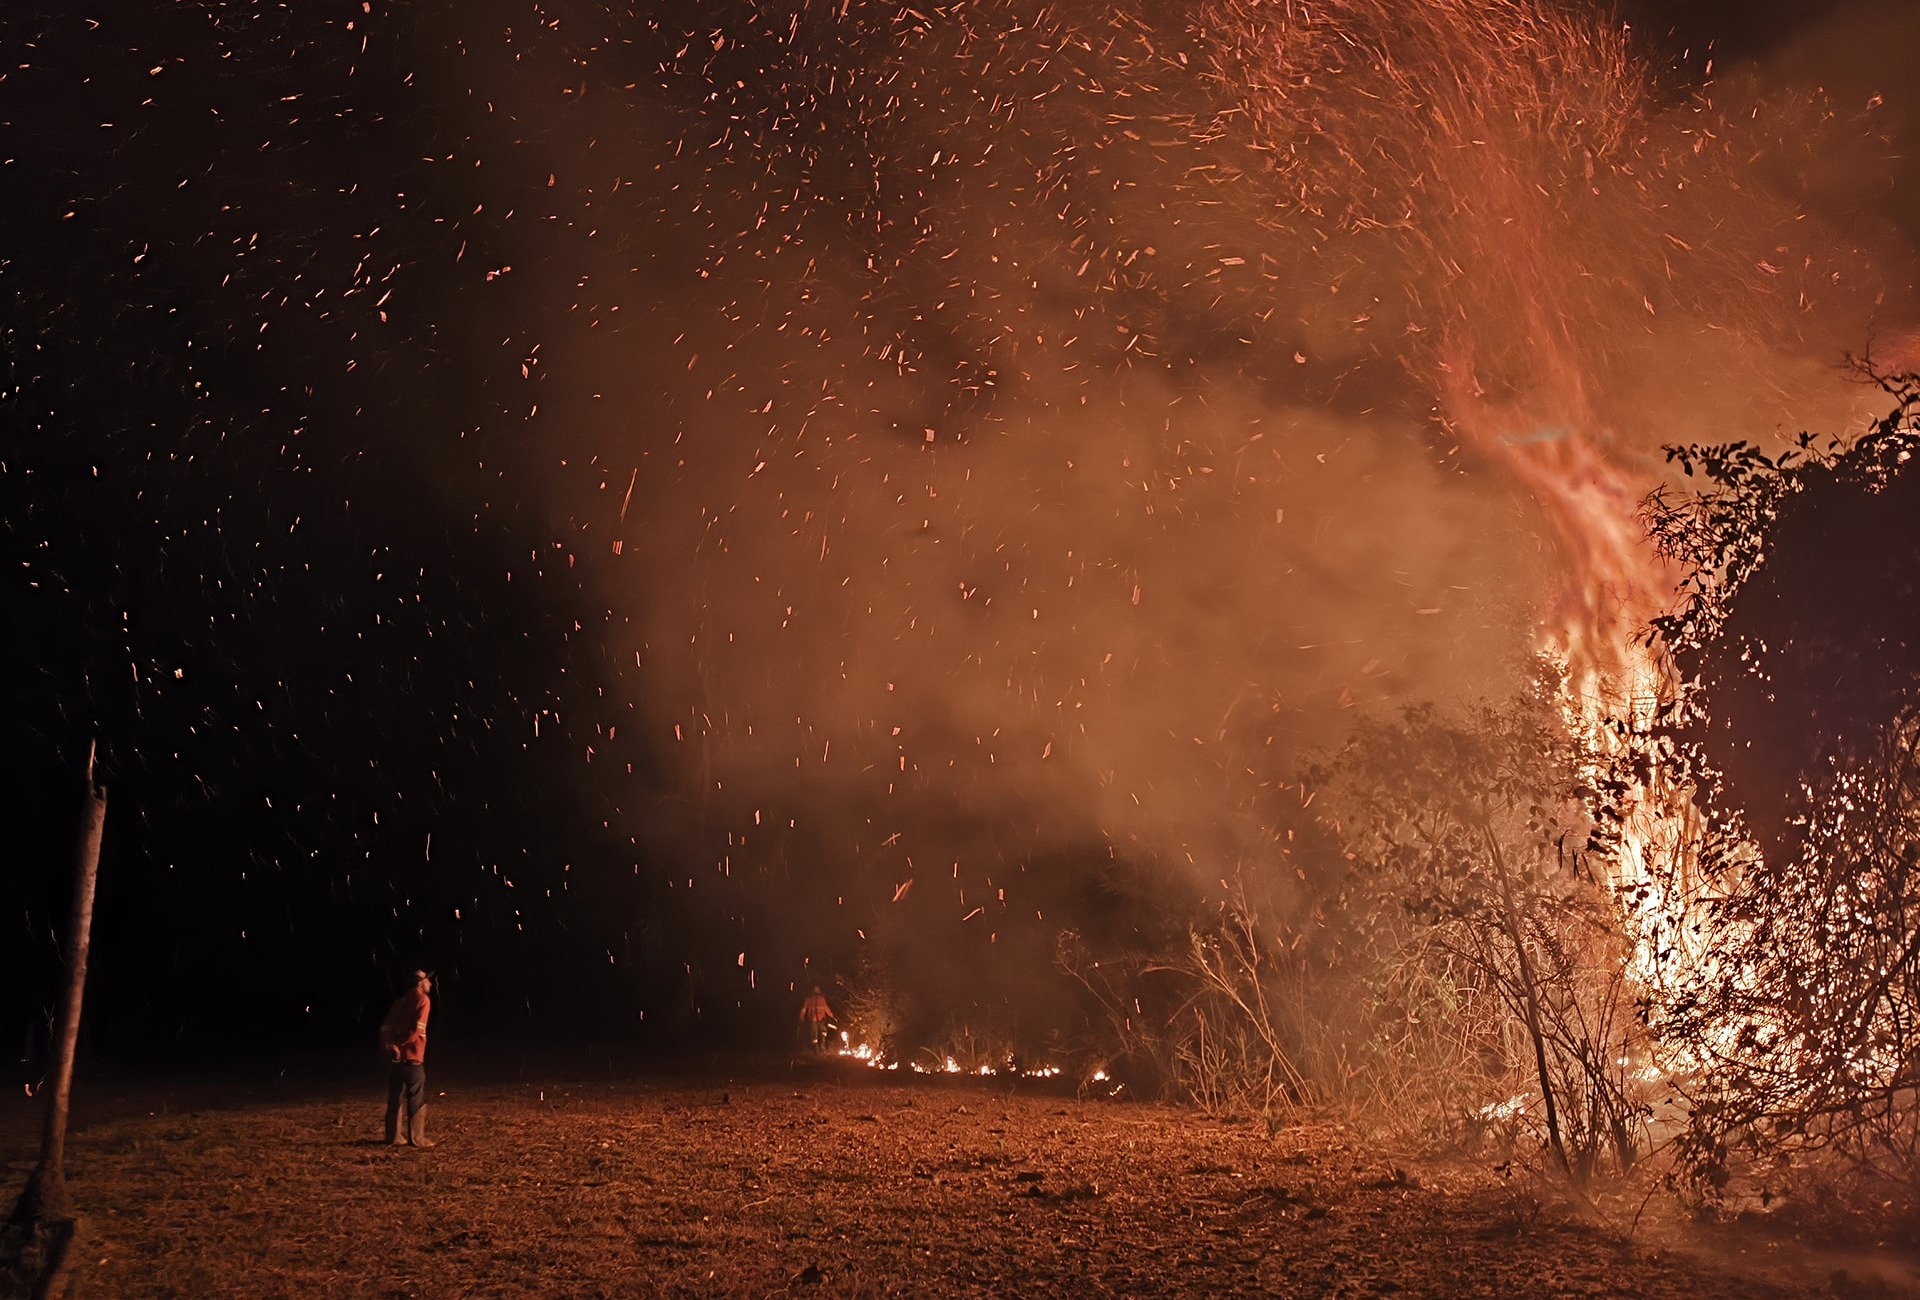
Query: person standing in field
column 814, row 1015
column 404, row 1036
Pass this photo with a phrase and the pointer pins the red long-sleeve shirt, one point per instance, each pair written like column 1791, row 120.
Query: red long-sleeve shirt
column 404, row 1032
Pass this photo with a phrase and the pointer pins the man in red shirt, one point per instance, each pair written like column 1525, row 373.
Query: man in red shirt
column 814, row 1015
column 404, row 1034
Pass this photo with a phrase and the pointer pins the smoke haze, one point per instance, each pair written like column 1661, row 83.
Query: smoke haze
column 1072, row 416
column 875, row 482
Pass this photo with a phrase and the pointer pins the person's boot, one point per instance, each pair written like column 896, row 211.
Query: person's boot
column 417, row 1128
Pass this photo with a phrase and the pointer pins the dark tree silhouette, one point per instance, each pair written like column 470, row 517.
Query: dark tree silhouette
column 1795, row 640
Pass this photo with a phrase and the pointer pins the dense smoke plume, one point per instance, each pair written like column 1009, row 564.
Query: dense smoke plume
column 1049, row 423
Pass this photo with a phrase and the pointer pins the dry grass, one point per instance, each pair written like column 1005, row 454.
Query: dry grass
column 821, row 1179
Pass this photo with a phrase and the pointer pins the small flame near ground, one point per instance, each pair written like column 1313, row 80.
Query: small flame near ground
column 868, row 1055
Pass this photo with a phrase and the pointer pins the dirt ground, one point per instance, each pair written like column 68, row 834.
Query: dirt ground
column 834, row 1180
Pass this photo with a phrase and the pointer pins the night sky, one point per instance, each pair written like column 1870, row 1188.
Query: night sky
column 645, row 508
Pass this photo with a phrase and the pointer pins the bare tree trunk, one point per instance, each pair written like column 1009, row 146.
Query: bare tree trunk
column 1518, row 937
column 46, row 1194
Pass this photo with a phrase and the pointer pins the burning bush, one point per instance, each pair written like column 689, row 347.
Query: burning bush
column 1796, row 639
column 1475, row 887
column 1456, row 967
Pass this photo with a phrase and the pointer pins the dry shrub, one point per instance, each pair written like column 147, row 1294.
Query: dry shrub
column 967, row 1047
column 1461, row 977
column 870, row 1011
column 1130, row 1040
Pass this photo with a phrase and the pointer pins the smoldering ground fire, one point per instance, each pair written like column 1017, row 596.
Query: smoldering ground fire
column 908, row 489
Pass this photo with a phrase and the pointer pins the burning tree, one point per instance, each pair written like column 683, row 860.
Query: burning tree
column 1794, row 1027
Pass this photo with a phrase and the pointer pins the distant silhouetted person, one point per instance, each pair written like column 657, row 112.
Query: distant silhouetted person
column 404, row 1034
column 814, row 1015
